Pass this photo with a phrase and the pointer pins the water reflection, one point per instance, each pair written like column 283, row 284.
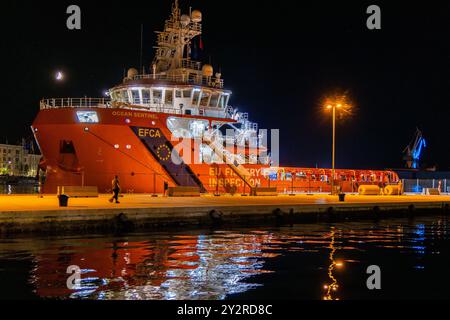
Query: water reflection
column 19, row 188
column 332, row 287
column 220, row 264
column 178, row 267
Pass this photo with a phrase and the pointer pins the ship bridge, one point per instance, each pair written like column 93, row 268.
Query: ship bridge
column 161, row 93
column 176, row 81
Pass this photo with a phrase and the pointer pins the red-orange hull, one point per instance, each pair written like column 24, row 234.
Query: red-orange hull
column 91, row 154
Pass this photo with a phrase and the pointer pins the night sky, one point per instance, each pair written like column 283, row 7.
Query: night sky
column 280, row 58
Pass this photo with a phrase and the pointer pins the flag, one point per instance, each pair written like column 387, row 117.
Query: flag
column 194, row 52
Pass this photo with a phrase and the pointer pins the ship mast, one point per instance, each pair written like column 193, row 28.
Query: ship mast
column 175, row 41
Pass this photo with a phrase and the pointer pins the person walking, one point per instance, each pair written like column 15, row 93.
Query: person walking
column 115, row 189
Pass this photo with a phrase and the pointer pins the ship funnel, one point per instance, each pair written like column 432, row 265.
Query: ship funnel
column 196, row 16
column 207, row 70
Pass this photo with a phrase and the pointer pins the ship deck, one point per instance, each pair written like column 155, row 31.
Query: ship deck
column 29, row 213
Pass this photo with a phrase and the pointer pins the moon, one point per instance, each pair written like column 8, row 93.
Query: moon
column 59, row 76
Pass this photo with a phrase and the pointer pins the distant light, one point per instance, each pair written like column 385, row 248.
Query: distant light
column 128, row 146
column 339, row 264
column 127, row 120
column 106, row 93
column 116, row 146
column 329, row 106
column 59, row 76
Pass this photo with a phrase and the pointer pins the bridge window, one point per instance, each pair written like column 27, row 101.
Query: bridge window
column 157, row 96
column 178, row 94
column 187, row 93
column 223, row 101
column 115, row 95
column 214, row 100
column 135, row 96
column 195, row 98
column 204, row 101
column 124, row 96
column 169, row 96
column 145, row 96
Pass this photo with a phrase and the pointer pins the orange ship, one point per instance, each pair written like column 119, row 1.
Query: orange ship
column 172, row 126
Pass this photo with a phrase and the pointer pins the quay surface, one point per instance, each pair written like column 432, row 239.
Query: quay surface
column 29, row 213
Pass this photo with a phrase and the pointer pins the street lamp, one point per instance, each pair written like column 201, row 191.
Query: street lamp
column 336, row 104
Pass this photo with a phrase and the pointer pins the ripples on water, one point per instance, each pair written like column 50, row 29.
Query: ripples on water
column 319, row 261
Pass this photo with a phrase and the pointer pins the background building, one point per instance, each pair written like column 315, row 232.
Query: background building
column 17, row 160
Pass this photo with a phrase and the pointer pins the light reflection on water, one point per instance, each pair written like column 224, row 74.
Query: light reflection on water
column 308, row 261
column 26, row 188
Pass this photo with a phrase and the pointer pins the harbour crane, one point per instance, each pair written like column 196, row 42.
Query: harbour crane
column 413, row 151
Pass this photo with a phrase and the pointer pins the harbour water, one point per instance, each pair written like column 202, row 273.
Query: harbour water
column 304, row 261
column 19, row 188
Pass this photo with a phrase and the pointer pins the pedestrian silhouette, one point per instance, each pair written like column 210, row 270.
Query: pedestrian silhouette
column 116, row 189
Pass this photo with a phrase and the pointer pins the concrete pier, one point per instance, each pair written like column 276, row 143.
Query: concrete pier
column 29, row 213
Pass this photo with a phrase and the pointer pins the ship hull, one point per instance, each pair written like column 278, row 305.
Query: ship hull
column 135, row 146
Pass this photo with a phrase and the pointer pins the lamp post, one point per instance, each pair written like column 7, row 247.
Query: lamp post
column 333, row 151
column 336, row 104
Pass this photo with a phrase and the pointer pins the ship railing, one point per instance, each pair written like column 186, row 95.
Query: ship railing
column 191, row 79
column 190, row 64
column 162, row 110
column 75, row 103
column 175, row 25
column 56, row 103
